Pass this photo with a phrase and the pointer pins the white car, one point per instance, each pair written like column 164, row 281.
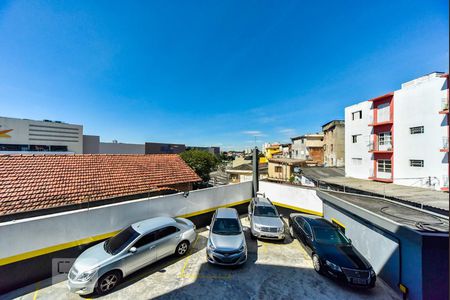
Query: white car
column 101, row 267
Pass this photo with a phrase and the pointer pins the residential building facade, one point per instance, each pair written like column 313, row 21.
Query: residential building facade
column 334, row 143
column 308, row 147
column 284, row 169
column 39, row 137
column 401, row 137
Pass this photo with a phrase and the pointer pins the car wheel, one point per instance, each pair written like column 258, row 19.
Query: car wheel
column 108, row 282
column 182, row 248
column 316, row 263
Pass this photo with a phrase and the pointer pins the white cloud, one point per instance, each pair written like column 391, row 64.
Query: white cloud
column 253, row 133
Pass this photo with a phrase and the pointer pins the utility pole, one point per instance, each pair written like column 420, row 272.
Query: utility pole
column 255, row 171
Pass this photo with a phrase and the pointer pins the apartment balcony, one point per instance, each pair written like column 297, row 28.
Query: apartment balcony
column 376, row 148
column 444, row 106
column 444, row 144
column 380, row 123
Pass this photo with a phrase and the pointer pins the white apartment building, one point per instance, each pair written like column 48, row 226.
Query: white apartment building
column 403, row 136
column 39, row 137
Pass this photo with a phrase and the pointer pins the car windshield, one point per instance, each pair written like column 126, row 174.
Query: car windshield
column 226, row 227
column 118, row 242
column 329, row 236
column 265, row 211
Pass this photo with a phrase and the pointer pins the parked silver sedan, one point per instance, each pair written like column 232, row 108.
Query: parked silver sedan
column 101, row 267
column 226, row 242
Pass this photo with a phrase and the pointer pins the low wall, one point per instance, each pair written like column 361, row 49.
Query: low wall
column 293, row 198
column 32, row 243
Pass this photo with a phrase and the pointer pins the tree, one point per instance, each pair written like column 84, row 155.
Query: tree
column 202, row 162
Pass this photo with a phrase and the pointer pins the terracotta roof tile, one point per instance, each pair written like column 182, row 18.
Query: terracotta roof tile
column 30, row 182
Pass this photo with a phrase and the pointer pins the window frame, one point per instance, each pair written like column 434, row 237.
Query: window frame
column 413, row 130
column 417, row 163
column 383, row 167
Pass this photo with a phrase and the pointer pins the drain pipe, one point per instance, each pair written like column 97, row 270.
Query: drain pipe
column 255, row 171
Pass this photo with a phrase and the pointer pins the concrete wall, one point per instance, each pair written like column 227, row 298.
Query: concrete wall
column 30, row 132
column 381, row 249
column 41, row 232
column 91, row 144
column 121, row 148
column 358, row 163
column 418, row 104
column 299, row 149
column 295, row 197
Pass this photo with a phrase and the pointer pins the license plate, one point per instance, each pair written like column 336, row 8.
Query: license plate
column 359, row 281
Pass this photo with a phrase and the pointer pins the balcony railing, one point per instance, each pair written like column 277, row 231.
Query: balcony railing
column 374, row 147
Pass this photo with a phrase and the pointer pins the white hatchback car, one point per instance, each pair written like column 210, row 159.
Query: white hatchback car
column 101, row 267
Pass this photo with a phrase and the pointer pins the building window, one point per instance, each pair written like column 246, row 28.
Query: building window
column 416, row 130
column 384, row 165
column 416, row 163
column 357, row 115
column 355, row 138
column 384, row 138
column 278, row 169
column 357, row 161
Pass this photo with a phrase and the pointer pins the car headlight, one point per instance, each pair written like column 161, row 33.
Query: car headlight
column 372, row 273
column 211, row 246
column 86, row 276
column 281, row 229
column 257, row 227
column 333, row 266
column 242, row 248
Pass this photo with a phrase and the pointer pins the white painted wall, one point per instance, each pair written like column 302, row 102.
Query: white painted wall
column 296, row 196
column 360, row 150
column 56, row 134
column 25, row 235
column 418, row 104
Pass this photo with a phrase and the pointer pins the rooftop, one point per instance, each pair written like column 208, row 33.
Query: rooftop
column 318, row 173
column 413, row 218
column 35, row 182
column 310, row 135
column 332, row 124
column 413, row 195
column 288, row 161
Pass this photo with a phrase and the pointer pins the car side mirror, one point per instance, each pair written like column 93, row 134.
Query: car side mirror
column 250, row 213
column 208, row 227
column 281, row 215
column 132, row 250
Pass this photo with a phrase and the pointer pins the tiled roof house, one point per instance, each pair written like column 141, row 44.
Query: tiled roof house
column 44, row 182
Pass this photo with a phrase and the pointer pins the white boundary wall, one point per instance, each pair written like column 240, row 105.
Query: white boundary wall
column 295, row 196
column 17, row 237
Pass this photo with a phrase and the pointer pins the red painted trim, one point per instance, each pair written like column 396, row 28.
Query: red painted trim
column 443, row 150
column 382, row 123
column 444, row 189
column 381, row 179
column 444, row 112
column 383, row 97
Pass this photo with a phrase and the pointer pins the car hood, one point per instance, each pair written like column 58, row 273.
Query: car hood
column 345, row 256
column 92, row 258
column 227, row 242
column 267, row 221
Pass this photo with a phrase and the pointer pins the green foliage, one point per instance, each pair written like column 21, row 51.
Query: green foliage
column 202, row 162
column 291, row 179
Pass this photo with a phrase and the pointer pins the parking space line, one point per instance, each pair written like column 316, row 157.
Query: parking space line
column 36, row 291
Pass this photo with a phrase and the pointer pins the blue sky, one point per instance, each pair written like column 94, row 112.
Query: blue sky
column 222, row 73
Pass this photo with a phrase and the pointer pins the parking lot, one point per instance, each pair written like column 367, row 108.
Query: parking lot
column 274, row 270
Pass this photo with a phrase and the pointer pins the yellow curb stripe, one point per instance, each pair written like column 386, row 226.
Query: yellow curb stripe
column 337, row 222
column 311, row 212
column 34, row 253
column 213, row 209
